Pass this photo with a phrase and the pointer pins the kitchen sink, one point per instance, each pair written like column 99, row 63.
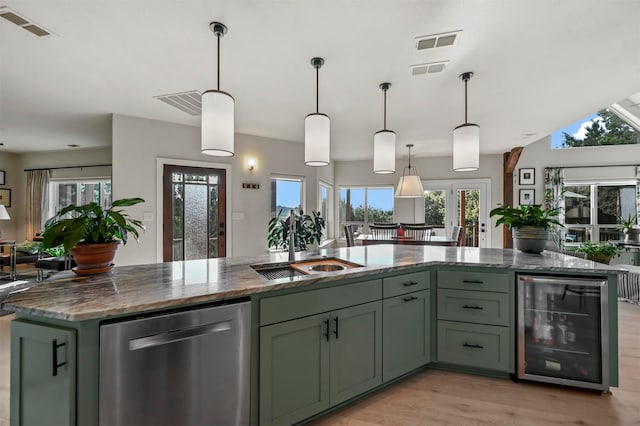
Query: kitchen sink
column 275, row 273
column 309, row 266
column 326, row 267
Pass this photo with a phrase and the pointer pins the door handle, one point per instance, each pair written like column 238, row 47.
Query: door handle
column 54, row 350
column 336, row 330
column 326, row 324
column 176, row 336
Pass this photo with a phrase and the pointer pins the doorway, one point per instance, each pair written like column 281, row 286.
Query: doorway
column 464, row 203
column 194, row 211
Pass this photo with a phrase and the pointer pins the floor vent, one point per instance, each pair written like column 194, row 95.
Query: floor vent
column 437, row 40
column 189, row 102
column 430, row 68
column 22, row 22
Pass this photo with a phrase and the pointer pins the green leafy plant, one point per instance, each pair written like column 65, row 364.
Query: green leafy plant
column 308, row 230
column 598, row 250
column 526, row 215
column 91, row 224
column 628, row 222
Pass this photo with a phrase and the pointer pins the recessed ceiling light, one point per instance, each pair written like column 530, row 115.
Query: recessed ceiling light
column 437, row 40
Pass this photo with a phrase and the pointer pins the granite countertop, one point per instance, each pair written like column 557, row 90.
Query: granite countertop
column 139, row 288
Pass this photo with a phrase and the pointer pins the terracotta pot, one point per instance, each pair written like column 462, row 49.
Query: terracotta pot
column 94, row 258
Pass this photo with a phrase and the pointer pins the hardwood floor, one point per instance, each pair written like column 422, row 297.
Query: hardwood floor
column 442, row 398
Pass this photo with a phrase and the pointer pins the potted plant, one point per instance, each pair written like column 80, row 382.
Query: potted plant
column 599, row 252
column 308, row 230
column 630, row 229
column 530, row 225
column 92, row 234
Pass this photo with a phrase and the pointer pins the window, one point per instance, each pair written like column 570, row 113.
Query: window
column 434, row 207
column 325, row 207
column 592, row 210
column 602, row 128
column 63, row 193
column 287, row 193
column 362, row 206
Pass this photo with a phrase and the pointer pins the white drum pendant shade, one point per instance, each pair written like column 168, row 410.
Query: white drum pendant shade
column 217, row 123
column 317, row 129
column 466, row 147
column 384, row 152
column 409, row 187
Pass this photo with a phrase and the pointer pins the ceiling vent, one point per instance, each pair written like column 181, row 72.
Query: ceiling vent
column 430, row 68
column 22, row 22
column 437, row 40
column 189, row 102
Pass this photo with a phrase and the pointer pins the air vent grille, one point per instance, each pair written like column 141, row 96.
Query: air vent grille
column 430, row 68
column 189, row 102
column 22, row 22
column 437, row 40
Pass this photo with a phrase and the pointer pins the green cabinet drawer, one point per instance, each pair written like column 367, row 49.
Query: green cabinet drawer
column 474, row 280
column 406, row 326
column 474, row 345
column 290, row 306
column 407, row 283
column 473, row 306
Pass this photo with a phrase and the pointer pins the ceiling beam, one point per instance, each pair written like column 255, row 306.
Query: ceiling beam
column 512, row 160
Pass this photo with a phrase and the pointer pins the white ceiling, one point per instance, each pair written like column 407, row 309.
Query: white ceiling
column 538, row 65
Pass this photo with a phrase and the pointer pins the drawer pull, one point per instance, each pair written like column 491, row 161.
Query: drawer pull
column 410, row 298
column 54, row 349
column 410, row 283
column 476, row 346
column 336, row 330
column 472, row 307
column 473, row 281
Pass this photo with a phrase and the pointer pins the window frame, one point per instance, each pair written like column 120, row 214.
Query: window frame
column 54, row 192
column 290, row 178
column 365, row 223
column 329, row 220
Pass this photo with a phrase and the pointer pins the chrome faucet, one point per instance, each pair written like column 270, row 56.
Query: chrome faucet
column 292, row 240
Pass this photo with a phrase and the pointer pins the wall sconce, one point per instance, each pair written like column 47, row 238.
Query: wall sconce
column 251, row 162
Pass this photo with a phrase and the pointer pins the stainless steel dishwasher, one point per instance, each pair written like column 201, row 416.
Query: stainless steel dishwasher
column 184, row 368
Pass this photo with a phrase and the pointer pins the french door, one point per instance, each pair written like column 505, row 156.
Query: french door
column 194, row 204
column 464, row 203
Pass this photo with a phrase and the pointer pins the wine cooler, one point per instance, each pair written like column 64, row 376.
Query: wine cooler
column 562, row 331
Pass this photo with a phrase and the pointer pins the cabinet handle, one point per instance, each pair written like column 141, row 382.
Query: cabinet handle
column 472, row 307
column 473, row 346
column 410, row 298
column 473, row 282
column 54, row 351
column 410, row 283
column 336, row 330
column 326, row 324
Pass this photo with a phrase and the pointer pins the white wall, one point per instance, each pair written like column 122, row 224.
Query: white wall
column 11, row 164
column 433, row 168
column 138, row 143
column 539, row 155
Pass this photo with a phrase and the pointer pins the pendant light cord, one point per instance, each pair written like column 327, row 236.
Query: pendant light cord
column 218, row 37
column 385, row 110
column 466, row 80
column 317, row 89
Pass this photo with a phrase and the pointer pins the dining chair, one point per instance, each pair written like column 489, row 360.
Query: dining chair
column 386, row 231
column 456, row 235
column 348, row 234
column 416, row 231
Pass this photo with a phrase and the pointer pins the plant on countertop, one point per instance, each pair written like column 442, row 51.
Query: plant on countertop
column 91, row 224
column 628, row 222
column 526, row 215
column 599, row 252
column 308, row 230
column 630, row 228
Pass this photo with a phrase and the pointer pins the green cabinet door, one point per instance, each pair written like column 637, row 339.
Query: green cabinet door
column 43, row 374
column 406, row 333
column 356, row 350
column 294, row 370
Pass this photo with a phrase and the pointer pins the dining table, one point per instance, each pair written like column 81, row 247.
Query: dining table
column 434, row 240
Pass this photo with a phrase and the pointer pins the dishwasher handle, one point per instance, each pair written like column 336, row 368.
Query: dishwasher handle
column 179, row 335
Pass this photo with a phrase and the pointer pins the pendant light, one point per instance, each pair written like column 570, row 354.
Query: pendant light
column 217, row 112
column 384, row 143
column 409, row 185
column 317, row 130
column 466, row 139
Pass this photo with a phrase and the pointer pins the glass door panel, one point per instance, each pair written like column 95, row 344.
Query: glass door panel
column 467, row 211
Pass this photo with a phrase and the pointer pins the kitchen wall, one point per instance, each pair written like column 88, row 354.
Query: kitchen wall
column 141, row 146
column 539, row 155
column 433, row 168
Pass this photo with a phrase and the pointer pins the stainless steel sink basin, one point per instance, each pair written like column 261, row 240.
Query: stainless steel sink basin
column 278, row 272
column 327, row 267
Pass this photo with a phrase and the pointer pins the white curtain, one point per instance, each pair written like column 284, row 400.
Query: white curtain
column 37, row 201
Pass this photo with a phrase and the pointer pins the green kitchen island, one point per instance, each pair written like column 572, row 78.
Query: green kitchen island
column 317, row 340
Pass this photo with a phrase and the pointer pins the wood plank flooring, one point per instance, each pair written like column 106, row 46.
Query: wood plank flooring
column 443, row 398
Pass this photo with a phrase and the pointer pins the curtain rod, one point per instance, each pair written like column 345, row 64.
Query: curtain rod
column 68, row 167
